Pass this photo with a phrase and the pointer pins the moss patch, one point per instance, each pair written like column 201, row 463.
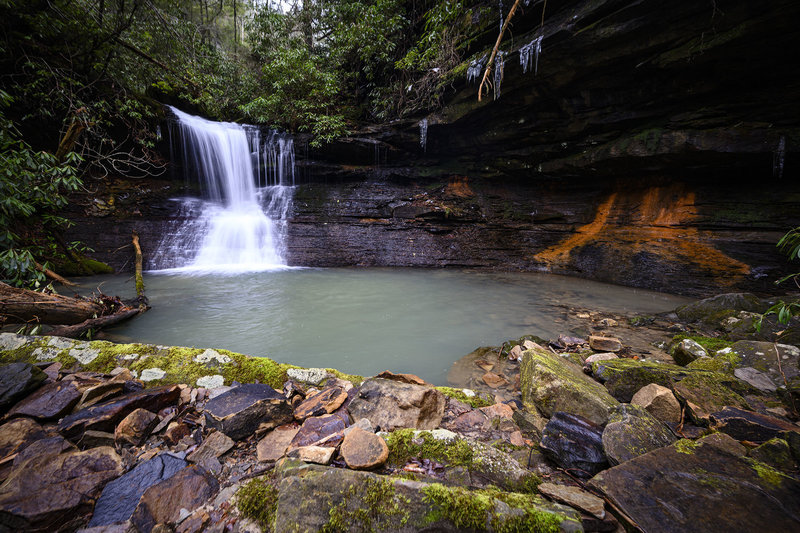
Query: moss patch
column 766, row 472
column 711, row 344
column 685, row 446
column 407, row 443
column 258, row 501
column 478, row 400
column 370, row 506
column 478, row 510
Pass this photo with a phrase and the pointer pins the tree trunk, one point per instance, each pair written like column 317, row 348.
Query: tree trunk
column 94, row 323
column 19, row 306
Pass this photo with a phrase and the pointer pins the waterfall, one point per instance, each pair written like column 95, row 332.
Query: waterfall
column 247, row 181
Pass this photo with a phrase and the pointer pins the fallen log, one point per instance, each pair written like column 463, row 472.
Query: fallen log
column 21, row 306
column 94, row 324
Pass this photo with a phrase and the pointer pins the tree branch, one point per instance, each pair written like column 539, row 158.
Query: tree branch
column 496, row 48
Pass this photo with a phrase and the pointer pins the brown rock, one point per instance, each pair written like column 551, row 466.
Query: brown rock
column 105, row 416
column 53, row 491
column 324, row 402
column 16, row 435
column 242, row 410
column 403, row 378
column 604, row 344
column 162, row 503
column 574, row 497
column 515, row 354
column 484, row 365
column 52, row 371
column 318, row 430
column 215, row 445
column 176, row 431
column 53, row 400
column 471, row 422
column 659, row 402
column 362, row 450
column 135, row 427
column 599, row 357
column 750, row 426
column 273, row 446
column 493, row 380
column 313, row 454
column 99, row 393
column 498, row 410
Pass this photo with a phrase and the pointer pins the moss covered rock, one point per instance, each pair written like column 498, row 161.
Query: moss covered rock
column 632, row 431
column 550, row 384
column 715, row 309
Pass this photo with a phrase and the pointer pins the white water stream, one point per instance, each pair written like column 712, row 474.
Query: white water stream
column 247, row 180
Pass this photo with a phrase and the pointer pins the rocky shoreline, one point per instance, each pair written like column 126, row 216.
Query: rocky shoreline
column 685, row 421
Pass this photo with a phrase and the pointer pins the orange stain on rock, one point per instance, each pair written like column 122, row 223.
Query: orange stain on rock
column 459, row 186
column 656, row 221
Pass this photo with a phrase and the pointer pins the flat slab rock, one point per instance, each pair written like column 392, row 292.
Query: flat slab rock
column 121, row 496
column 632, row 431
column 574, row 443
column 17, row 380
column 241, row 410
column 52, row 400
column 701, row 488
column 162, row 503
column 751, row 426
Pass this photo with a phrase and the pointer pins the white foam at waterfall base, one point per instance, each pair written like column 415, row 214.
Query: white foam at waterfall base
column 240, row 224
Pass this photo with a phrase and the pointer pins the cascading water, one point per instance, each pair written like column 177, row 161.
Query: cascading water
column 247, row 180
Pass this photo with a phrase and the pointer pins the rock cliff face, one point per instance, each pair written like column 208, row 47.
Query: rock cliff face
column 655, row 147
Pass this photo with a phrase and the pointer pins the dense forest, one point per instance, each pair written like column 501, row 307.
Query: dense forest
column 83, row 82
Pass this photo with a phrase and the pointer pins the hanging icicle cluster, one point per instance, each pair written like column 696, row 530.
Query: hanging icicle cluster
column 475, row 69
column 532, row 49
column 499, row 64
column 778, row 158
column 423, row 134
column 501, row 15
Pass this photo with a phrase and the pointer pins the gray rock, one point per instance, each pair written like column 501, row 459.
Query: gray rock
column 755, row 378
column 574, row 497
column 215, row 445
column 312, row 376
column 632, row 431
column 16, row 381
column 391, row 404
column 550, row 384
column 687, row 351
column 711, row 310
column 120, row 497
column 574, row 443
column 700, row 487
column 241, row 410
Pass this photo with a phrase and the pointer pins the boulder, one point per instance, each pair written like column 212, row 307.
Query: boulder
column 766, row 356
column 49, row 490
column 390, row 404
column 658, row 401
column 604, row 344
column 574, row 497
column 362, row 450
column 574, row 443
column 215, row 445
column 707, row 392
column 243, row 409
column 624, row 377
column 699, row 487
column 713, row 310
column 550, row 384
column 320, row 430
column 325, row 401
column 121, row 496
column 750, row 426
column 52, row 400
column 318, row 498
column 136, row 427
column 274, row 445
column 775, row 453
column 105, row 416
column 632, row 431
column 686, row 351
column 18, row 380
column 163, row 502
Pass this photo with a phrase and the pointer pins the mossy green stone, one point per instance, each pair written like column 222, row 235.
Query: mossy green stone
column 550, row 384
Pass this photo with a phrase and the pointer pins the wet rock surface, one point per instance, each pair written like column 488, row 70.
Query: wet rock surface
column 242, row 409
column 469, row 447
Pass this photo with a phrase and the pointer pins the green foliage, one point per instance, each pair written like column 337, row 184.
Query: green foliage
column 789, row 244
column 475, row 401
column 32, row 184
column 258, row 501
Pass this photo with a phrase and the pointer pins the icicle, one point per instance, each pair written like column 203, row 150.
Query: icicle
column 499, row 63
column 501, row 15
column 778, row 157
column 423, row 134
column 533, row 48
column 475, row 69
column 158, row 132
